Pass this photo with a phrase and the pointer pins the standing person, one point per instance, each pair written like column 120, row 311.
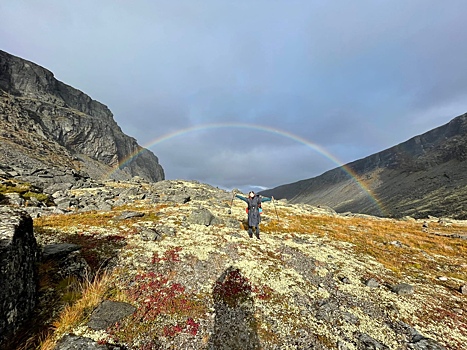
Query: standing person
column 254, row 209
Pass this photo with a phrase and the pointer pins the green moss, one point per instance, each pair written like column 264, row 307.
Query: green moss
column 15, row 187
column 41, row 197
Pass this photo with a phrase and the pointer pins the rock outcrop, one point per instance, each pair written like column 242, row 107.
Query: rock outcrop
column 45, row 123
column 19, row 255
column 420, row 177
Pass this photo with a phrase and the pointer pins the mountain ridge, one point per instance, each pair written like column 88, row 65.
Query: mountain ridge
column 419, row 177
column 79, row 133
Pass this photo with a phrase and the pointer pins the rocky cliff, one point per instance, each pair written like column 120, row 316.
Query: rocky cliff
column 422, row 176
column 48, row 124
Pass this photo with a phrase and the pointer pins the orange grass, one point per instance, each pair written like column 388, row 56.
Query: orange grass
column 420, row 251
column 89, row 219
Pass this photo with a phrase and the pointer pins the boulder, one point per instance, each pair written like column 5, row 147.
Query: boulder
column 74, row 342
column 108, row 313
column 58, row 250
column 201, row 217
column 403, row 289
column 19, row 254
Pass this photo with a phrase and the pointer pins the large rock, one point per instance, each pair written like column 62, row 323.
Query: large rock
column 18, row 276
column 62, row 126
column 73, row 342
column 108, row 313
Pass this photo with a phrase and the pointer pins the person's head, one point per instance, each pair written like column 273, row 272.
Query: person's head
column 251, row 194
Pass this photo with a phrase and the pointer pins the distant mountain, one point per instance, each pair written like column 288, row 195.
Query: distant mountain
column 45, row 123
column 426, row 175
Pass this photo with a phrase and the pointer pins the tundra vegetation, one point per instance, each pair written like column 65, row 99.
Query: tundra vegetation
column 303, row 283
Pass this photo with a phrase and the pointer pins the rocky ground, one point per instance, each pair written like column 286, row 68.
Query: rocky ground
column 183, row 273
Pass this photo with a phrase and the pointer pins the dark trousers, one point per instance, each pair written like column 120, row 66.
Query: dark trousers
column 250, row 231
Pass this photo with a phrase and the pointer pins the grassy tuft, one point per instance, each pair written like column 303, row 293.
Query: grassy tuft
column 92, row 293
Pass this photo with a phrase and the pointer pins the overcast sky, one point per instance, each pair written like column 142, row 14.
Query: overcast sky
column 321, row 82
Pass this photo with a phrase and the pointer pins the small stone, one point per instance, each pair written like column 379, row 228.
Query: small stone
column 463, row 289
column 372, row 283
column 149, row 234
column 403, row 289
column 442, row 278
column 129, row 214
column 396, row 244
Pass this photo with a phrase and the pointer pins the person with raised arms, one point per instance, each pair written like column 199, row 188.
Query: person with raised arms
column 254, row 210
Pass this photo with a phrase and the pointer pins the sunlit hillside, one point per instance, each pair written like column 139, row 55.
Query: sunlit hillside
column 315, row 279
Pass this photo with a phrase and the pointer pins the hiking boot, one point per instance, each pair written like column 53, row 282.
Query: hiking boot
column 250, row 233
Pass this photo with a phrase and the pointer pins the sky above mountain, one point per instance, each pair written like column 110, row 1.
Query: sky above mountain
column 254, row 94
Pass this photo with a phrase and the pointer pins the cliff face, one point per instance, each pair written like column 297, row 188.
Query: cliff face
column 422, row 176
column 45, row 122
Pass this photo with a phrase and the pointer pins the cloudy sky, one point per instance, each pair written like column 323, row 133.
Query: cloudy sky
column 251, row 93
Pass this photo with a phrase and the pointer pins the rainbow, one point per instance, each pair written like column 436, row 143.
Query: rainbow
column 255, row 127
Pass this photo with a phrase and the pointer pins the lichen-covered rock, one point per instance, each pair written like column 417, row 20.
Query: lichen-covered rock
column 18, row 276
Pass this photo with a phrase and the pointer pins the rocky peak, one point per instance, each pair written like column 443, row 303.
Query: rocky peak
column 48, row 122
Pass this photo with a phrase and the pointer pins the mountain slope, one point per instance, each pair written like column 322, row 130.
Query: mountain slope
column 422, row 176
column 46, row 123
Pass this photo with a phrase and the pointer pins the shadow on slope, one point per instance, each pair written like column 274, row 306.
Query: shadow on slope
column 235, row 324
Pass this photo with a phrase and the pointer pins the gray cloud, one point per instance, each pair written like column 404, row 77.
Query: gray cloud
column 351, row 77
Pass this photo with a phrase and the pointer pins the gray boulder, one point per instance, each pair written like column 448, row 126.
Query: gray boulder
column 201, row 217
column 74, row 342
column 403, row 289
column 58, row 250
column 108, row 313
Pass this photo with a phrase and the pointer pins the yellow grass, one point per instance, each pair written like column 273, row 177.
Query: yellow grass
column 93, row 293
column 421, row 249
column 90, row 219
